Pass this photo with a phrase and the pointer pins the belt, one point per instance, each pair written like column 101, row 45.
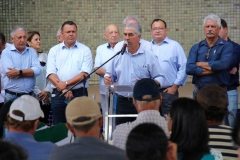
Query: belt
column 17, row 94
column 125, row 98
column 73, row 90
column 229, row 88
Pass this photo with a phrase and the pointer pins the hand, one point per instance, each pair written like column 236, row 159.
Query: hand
column 12, row 73
column 42, row 95
column 108, row 80
column 61, row 85
column 46, row 101
column 171, row 90
column 198, row 64
column 172, row 151
column 233, row 70
column 68, row 95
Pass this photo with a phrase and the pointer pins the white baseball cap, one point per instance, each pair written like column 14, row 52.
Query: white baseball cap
column 29, row 106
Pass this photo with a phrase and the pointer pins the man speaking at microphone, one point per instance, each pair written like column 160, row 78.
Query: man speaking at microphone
column 135, row 63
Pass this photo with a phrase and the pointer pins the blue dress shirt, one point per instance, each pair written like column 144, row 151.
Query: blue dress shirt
column 103, row 53
column 36, row 150
column 126, row 68
column 172, row 60
column 11, row 58
column 234, row 78
column 219, row 58
column 66, row 63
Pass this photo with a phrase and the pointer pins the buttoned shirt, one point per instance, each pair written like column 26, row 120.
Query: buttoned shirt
column 172, row 60
column 28, row 59
column 103, row 53
column 122, row 131
column 127, row 68
column 66, row 63
column 36, row 150
column 218, row 58
column 145, row 44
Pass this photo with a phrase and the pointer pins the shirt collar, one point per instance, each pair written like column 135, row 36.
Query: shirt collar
column 140, row 50
column 13, row 48
column 220, row 41
column 166, row 40
column 62, row 45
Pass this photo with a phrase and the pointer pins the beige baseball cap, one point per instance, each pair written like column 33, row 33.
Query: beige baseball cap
column 82, row 107
column 29, row 106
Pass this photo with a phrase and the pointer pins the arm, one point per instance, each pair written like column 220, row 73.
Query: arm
column 204, row 65
column 101, row 71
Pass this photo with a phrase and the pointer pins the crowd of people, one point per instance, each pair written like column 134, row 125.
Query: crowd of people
column 204, row 127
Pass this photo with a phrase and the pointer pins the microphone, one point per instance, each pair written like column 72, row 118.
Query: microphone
column 124, row 47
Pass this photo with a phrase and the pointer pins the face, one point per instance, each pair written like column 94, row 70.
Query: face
column 35, row 43
column 223, row 33
column 69, row 34
column 211, row 29
column 59, row 39
column 131, row 37
column 158, row 31
column 112, row 34
column 2, row 46
column 19, row 40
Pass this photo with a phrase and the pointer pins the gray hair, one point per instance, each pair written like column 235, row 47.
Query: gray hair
column 212, row 17
column 59, row 32
column 19, row 28
column 136, row 26
column 130, row 17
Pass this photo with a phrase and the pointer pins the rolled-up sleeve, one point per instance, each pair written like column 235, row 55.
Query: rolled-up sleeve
column 87, row 61
column 35, row 66
column 51, row 64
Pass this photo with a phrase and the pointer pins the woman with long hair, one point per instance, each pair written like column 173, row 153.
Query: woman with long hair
column 42, row 87
column 189, row 130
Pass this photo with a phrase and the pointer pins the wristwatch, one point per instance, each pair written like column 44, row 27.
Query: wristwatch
column 66, row 83
column 20, row 72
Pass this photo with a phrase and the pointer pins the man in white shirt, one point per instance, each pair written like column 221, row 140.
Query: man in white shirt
column 68, row 63
column 103, row 53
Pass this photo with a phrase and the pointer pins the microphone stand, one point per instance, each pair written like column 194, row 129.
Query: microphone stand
column 85, row 78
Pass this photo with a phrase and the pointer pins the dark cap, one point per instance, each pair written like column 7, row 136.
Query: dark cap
column 146, row 86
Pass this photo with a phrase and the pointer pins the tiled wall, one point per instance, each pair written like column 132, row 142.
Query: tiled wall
column 183, row 17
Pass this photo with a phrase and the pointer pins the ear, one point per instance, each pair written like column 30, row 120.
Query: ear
column 29, row 43
column 100, row 121
column 12, row 39
column 105, row 36
column 69, row 127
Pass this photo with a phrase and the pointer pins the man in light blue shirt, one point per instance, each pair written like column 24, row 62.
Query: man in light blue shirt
column 172, row 60
column 136, row 63
column 68, row 62
column 20, row 66
column 103, row 53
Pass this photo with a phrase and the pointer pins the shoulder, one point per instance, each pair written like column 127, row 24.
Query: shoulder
column 102, row 46
column 82, row 46
column 55, row 48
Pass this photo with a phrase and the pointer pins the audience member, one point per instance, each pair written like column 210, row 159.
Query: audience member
column 234, row 76
column 208, row 60
column 68, row 63
column 42, row 87
column 132, row 19
column 146, row 99
column 10, row 151
column 148, row 141
column 84, row 120
column 22, row 122
column 20, row 66
column 214, row 101
column 189, row 131
column 59, row 35
column 172, row 60
column 103, row 53
column 136, row 63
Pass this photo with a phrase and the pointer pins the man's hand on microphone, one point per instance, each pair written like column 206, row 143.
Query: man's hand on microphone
column 108, row 80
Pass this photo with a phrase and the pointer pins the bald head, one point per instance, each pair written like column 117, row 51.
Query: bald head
column 112, row 34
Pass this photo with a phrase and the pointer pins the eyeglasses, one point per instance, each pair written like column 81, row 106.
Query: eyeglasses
column 158, row 29
column 208, row 52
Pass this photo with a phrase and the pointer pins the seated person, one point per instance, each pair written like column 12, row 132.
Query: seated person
column 214, row 101
column 189, row 131
column 146, row 102
column 84, row 120
column 148, row 141
column 22, row 121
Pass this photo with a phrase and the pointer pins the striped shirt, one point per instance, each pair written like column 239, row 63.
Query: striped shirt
column 220, row 139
